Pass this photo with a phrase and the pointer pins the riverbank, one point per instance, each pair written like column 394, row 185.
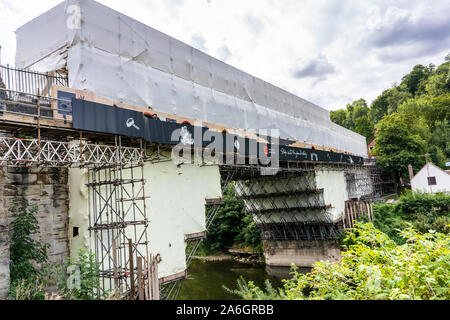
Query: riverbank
column 245, row 256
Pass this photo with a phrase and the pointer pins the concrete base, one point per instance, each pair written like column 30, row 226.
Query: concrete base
column 300, row 253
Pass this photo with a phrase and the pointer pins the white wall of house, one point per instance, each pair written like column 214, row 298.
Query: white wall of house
column 420, row 183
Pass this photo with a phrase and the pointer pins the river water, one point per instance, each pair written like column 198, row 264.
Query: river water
column 207, row 278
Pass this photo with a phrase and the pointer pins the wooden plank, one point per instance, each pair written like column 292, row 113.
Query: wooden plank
column 371, row 212
column 347, row 215
column 130, row 253
column 148, row 291
column 352, row 219
column 368, row 212
column 31, row 119
column 216, row 201
column 195, row 236
column 173, row 277
column 155, row 280
column 140, row 278
column 361, row 210
column 115, row 271
column 343, row 215
column 355, row 212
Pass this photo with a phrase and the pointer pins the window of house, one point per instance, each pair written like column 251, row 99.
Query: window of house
column 431, row 181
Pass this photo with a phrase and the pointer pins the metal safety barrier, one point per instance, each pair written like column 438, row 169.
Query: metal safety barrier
column 31, row 82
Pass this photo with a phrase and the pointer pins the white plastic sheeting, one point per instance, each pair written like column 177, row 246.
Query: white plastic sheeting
column 124, row 60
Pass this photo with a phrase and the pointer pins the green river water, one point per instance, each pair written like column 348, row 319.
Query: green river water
column 206, row 278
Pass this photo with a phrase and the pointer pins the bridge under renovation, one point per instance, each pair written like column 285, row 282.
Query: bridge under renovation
column 126, row 139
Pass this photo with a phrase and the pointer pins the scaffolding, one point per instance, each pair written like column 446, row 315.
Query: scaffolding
column 118, row 225
column 291, row 207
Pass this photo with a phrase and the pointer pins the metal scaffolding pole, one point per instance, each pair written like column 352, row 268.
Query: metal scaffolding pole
column 118, row 225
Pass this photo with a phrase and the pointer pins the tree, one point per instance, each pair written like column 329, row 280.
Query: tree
column 437, row 109
column 396, row 97
column 379, row 107
column 400, row 141
column 339, row 117
column 417, row 78
column 231, row 225
column 440, row 137
column 438, row 82
column 365, row 127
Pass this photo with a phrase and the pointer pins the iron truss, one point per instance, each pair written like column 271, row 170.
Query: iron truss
column 31, row 152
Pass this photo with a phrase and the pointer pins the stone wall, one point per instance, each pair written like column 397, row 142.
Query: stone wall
column 46, row 188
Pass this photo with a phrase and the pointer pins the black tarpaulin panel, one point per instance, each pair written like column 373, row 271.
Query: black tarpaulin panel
column 156, row 132
column 172, row 133
column 300, row 154
column 90, row 116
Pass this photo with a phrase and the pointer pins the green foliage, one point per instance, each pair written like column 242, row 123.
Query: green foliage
column 412, row 119
column 249, row 291
column 231, row 226
column 423, row 212
column 249, row 234
column 87, row 269
column 28, row 289
column 373, row 267
column 400, row 141
column 27, row 254
column 379, row 107
column 339, row 117
column 416, row 79
column 364, row 127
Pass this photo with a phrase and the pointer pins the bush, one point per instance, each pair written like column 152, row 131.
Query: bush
column 374, row 267
column 28, row 256
column 84, row 281
column 27, row 289
column 231, row 226
column 422, row 212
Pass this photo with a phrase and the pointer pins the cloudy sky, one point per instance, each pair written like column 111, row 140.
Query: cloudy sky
column 330, row 52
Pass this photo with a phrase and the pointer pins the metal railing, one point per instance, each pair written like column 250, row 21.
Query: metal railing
column 24, row 92
column 12, row 102
column 31, row 82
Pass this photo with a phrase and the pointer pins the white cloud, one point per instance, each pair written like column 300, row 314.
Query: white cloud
column 360, row 48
